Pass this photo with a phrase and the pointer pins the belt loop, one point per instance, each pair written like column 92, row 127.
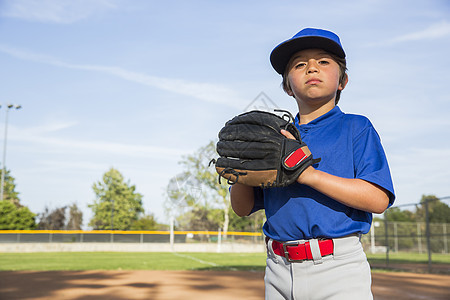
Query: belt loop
column 270, row 253
column 315, row 251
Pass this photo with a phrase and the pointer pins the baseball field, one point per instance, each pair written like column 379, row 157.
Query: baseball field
column 113, row 275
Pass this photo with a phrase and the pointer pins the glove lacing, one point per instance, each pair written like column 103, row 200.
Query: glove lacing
column 228, row 170
column 231, row 171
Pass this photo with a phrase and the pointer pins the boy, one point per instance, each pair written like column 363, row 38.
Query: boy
column 314, row 225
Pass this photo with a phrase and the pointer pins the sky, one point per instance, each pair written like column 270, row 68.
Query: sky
column 138, row 85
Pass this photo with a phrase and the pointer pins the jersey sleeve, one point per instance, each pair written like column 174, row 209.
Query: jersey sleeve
column 370, row 161
column 259, row 199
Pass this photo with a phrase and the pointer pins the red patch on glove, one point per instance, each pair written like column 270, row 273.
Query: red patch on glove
column 295, row 158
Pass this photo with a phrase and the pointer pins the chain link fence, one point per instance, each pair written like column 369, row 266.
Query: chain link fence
column 407, row 237
column 411, row 237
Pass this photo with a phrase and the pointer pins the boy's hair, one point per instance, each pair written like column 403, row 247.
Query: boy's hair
column 342, row 75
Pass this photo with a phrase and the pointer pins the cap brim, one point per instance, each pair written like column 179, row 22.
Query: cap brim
column 281, row 55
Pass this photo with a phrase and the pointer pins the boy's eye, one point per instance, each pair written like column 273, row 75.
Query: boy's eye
column 300, row 65
column 324, row 62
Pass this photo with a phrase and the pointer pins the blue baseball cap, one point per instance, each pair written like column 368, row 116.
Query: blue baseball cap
column 307, row 38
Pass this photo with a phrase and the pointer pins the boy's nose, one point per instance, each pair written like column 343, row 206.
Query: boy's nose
column 312, row 67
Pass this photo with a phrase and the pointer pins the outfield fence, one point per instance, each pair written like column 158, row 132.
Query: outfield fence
column 417, row 237
column 132, row 241
column 123, row 236
column 397, row 237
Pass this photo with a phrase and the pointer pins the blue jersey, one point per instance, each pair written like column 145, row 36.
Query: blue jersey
column 349, row 147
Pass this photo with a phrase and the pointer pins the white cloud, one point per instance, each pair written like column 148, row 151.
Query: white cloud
column 54, row 11
column 66, row 145
column 213, row 93
column 58, row 165
column 51, row 127
column 434, row 31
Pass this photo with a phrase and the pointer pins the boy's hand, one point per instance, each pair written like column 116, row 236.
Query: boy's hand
column 261, row 149
column 287, row 134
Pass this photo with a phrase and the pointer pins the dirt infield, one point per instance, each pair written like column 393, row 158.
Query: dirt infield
column 198, row 285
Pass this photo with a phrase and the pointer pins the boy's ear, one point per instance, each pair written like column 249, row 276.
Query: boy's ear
column 343, row 84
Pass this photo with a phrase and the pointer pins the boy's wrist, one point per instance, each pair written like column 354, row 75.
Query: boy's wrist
column 307, row 176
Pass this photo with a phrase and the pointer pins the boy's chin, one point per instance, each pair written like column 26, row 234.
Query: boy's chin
column 317, row 100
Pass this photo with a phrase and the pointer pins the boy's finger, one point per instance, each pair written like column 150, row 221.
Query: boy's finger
column 287, row 134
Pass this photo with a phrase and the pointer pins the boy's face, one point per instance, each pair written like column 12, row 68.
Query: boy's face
column 313, row 76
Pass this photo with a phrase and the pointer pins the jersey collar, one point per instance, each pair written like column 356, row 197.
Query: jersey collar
column 320, row 121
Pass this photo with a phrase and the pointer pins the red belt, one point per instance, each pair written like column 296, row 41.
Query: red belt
column 296, row 251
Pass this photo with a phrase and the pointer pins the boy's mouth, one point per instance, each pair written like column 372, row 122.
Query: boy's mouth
column 313, row 81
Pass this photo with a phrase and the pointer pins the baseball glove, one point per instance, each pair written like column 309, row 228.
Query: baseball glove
column 253, row 151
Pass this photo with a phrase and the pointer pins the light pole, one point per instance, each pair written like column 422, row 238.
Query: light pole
column 8, row 107
column 112, row 214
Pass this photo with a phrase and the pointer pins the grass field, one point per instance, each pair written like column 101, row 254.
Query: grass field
column 166, row 261
column 131, row 261
column 406, row 257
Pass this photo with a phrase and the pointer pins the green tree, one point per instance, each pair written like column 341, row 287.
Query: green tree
column 438, row 211
column 13, row 215
column 200, row 178
column 201, row 218
column 56, row 219
column 15, row 218
column 183, row 191
column 75, row 218
column 204, row 218
column 146, row 222
column 9, row 189
column 117, row 204
column 252, row 223
column 53, row 220
column 395, row 214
